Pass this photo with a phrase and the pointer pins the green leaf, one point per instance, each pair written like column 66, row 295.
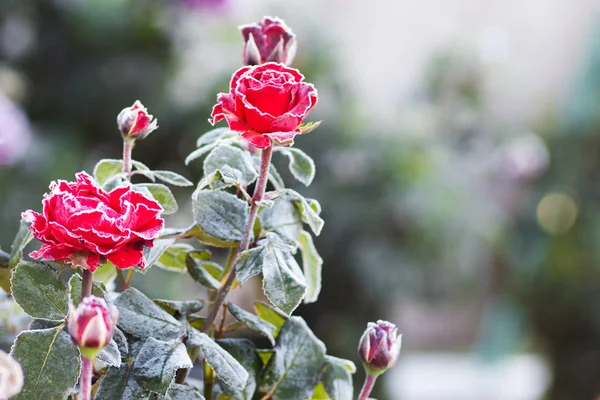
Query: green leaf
column 309, row 209
column 209, row 141
column 257, row 228
column 183, row 392
column 232, row 158
column 274, row 177
column 349, row 365
column 312, row 264
column 301, row 165
column 152, row 254
column 139, row 316
column 283, row 218
column 320, row 393
column 172, row 178
column 39, row 291
column 271, row 315
column 110, row 355
column 37, row 324
column 220, row 214
column 265, row 355
column 75, row 289
column 227, row 368
column 50, row 362
column 198, row 270
column 162, row 195
column 106, row 273
column 253, row 322
column 250, row 263
column 244, row 352
column 337, row 381
column 173, row 259
column 293, row 371
column 157, row 362
column 106, row 169
column 185, row 307
column 23, row 237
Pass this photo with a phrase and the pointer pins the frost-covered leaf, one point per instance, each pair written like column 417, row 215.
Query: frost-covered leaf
column 220, row 214
column 185, row 307
column 349, row 365
column 162, row 195
column 301, row 165
column 281, row 284
column 232, row 158
column 75, row 289
column 253, row 322
column 227, row 368
column 244, row 352
column 250, row 263
column 152, row 254
column 199, row 271
column 271, row 315
column 110, row 355
column 337, row 381
column 37, row 324
column 106, row 169
column 173, row 258
column 50, row 362
column 209, row 141
column 157, row 362
column 182, row 392
column 21, row 240
column 172, row 177
column 293, row 371
column 312, row 264
column 283, row 218
column 275, row 177
column 40, row 291
column 139, row 316
column 309, row 209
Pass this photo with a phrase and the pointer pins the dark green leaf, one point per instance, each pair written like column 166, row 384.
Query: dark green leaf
column 227, row 368
column 245, row 353
column 139, row 316
column 293, row 371
column 172, row 178
column 183, row 392
column 337, row 381
column 75, row 289
column 152, row 254
column 182, row 307
column 162, row 195
column 50, row 362
column 271, row 315
column 23, row 237
column 233, row 158
column 157, row 362
column 311, row 263
column 220, row 214
column 110, row 355
column 301, row 165
column 40, row 291
column 253, row 322
column 37, row 324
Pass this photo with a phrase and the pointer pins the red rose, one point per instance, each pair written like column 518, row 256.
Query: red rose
column 82, row 224
column 269, row 40
column 266, row 102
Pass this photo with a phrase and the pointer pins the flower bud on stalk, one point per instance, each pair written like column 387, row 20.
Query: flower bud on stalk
column 135, row 123
column 270, row 40
column 379, row 347
column 92, row 324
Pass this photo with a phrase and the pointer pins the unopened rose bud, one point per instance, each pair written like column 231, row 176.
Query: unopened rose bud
column 92, row 324
column 135, row 122
column 379, row 347
column 269, row 40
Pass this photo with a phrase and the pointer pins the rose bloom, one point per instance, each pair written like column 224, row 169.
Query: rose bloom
column 269, row 40
column 82, row 224
column 266, row 102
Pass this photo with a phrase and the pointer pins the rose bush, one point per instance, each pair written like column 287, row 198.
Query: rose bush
column 82, row 224
column 266, row 102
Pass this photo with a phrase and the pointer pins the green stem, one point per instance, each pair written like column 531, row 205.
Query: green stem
column 367, row 387
column 259, row 192
column 209, row 381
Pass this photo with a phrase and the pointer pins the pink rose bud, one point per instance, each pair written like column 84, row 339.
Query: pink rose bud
column 379, row 347
column 135, row 122
column 92, row 324
column 269, row 40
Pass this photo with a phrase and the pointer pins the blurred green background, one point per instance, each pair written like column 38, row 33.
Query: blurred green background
column 457, row 164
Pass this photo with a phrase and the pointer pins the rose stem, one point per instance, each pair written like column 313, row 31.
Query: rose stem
column 367, row 387
column 86, row 367
column 86, row 379
column 127, row 150
column 209, row 381
column 127, row 282
column 259, row 191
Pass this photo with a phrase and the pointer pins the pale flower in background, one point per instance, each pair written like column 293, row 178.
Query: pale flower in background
column 11, row 376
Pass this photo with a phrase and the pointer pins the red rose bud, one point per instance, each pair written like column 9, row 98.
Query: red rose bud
column 135, row 122
column 92, row 324
column 266, row 102
column 82, row 224
column 379, row 347
column 269, row 40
